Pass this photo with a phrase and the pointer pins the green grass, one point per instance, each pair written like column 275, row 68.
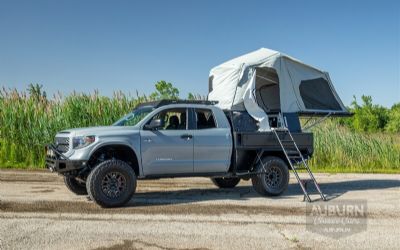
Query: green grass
column 338, row 149
column 28, row 123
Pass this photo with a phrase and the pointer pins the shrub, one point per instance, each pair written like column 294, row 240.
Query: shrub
column 393, row 124
column 368, row 117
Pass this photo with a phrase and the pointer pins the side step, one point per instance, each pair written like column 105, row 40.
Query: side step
column 293, row 154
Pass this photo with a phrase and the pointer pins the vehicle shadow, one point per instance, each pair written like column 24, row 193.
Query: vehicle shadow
column 332, row 190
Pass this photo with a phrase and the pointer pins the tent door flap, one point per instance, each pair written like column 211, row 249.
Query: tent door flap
column 267, row 89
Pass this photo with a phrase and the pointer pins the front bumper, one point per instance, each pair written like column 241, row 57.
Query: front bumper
column 57, row 162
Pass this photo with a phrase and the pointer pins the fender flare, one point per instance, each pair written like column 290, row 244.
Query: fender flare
column 118, row 143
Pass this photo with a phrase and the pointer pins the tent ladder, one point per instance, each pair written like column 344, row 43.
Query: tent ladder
column 296, row 161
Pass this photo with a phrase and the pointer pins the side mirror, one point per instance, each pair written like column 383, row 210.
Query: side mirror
column 155, row 124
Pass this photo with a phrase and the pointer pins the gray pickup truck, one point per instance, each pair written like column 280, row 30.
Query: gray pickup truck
column 165, row 139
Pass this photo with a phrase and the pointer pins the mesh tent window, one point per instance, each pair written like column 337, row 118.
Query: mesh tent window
column 317, row 94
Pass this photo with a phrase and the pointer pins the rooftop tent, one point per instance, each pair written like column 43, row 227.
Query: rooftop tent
column 267, row 81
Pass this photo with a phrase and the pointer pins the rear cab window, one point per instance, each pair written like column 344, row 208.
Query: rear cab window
column 204, row 119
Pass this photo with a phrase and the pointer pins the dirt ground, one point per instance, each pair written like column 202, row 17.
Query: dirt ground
column 38, row 212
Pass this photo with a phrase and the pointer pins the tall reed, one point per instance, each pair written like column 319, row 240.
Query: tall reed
column 27, row 123
column 339, row 149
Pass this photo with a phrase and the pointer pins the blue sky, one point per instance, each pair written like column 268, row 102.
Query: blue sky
column 129, row 45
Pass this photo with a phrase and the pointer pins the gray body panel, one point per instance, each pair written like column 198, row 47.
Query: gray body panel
column 212, row 150
column 107, row 135
column 165, row 152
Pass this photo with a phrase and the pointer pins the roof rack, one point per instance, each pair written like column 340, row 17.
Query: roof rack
column 157, row 104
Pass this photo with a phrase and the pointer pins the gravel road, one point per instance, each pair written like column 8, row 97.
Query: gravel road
column 38, row 212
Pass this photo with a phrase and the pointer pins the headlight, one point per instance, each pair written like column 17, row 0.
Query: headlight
column 82, row 141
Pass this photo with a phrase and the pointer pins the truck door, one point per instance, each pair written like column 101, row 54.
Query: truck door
column 212, row 144
column 169, row 149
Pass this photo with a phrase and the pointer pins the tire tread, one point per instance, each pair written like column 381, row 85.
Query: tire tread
column 225, row 183
column 95, row 175
column 258, row 182
column 74, row 186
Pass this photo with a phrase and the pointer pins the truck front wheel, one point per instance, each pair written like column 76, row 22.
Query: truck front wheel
column 273, row 177
column 111, row 183
column 75, row 186
column 230, row 182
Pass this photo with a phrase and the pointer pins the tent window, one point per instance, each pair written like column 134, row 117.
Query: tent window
column 317, row 94
column 267, row 90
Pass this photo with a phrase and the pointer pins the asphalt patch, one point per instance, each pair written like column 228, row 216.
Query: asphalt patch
column 143, row 208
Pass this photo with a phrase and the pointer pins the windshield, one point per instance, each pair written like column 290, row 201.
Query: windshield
column 134, row 118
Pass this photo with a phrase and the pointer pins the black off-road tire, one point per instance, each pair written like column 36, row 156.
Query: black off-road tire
column 230, row 182
column 75, row 186
column 111, row 183
column 273, row 179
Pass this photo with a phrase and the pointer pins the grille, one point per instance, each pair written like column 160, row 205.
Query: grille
column 62, row 144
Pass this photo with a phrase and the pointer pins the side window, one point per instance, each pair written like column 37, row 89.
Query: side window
column 205, row 119
column 174, row 119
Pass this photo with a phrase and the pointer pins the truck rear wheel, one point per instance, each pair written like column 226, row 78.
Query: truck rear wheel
column 230, row 182
column 273, row 178
column 111, row 183
column 75, row 186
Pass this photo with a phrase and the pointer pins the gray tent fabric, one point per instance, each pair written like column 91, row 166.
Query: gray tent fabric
column 302, row 88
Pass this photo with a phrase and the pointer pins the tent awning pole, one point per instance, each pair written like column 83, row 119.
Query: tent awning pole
column 317, row 122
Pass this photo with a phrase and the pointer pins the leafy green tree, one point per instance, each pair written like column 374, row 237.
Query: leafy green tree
column 192, row 96
column 393, row 124
column 369, row 117
column 165, row 90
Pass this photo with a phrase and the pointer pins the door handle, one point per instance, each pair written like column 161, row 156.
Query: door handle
column 147, row 140
column 187, row 136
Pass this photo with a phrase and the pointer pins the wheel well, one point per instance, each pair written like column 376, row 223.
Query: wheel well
column 281, row 155
column 278, row 154
column 120, row 152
